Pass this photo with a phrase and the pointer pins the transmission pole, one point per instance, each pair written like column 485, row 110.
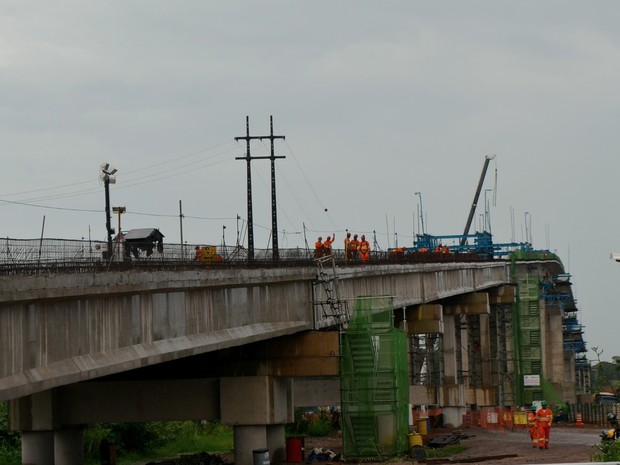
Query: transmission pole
column 274, row 214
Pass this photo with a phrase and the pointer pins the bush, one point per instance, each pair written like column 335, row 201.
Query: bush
column 10, row 441
column 610, row 452
column 158, row 439
column 314, row 422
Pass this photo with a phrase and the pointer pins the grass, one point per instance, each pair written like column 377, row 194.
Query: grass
column 441, row 452
column 175, row 438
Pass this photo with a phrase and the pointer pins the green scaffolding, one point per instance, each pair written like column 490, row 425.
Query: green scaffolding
column 374, row 382
column 528, row 342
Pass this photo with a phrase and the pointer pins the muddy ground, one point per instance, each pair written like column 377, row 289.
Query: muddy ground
column 568, row 444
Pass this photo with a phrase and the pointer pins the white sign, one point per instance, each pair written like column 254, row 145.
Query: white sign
column 531, row 380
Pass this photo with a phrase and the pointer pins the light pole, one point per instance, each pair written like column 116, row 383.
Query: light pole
column 108, row 177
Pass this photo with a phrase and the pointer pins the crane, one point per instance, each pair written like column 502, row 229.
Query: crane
column 487, row 159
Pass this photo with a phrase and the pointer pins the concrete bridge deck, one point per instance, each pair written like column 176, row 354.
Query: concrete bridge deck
column 66, row 339
column 65, row 328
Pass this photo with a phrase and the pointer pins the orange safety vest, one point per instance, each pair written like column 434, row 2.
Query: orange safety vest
column 532, row 419
column 545, row 417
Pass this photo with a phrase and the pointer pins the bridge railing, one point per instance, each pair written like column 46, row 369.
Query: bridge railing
column 14, row 251
column 28, row 256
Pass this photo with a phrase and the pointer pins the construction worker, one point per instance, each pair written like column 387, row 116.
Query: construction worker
column 545, row 418
column 364, row 249
column 327, row 245
column 318, row 248
column 347, row 247
column 532, row 423
column 355, row 244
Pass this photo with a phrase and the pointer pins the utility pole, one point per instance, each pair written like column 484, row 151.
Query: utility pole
column 108, row 177
column 274, row 214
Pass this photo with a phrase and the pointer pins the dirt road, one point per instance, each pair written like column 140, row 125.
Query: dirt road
column 568, row 444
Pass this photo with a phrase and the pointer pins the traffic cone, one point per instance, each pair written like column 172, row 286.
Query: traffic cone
column 579, row 420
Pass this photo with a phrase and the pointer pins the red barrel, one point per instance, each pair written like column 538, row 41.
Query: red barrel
column 295, row 449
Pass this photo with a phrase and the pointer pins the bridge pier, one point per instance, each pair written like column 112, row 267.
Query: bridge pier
column 258, row 408
column 60, row 447
column 69, row 446
column 38, row 447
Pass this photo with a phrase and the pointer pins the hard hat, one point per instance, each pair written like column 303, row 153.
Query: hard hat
column 533, row 407
column 543, row 403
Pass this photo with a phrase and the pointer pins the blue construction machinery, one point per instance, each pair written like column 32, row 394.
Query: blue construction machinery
column 480, row 243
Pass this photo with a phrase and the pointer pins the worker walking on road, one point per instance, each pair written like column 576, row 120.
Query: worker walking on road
column 545, row 418
column 364, row 249
column 532, row 423
column 318, row 248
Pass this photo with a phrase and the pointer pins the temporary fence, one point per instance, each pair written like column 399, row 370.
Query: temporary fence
column 496, row 418
column 592, row 414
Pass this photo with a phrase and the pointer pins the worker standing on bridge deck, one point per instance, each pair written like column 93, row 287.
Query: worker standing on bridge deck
column 545, row 418
column 532, row 423
column 318, row 248
column 364, row 249
column 327, row 245
column 354, row 247
column 347, row 247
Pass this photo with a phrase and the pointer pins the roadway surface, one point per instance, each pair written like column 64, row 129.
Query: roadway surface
column 568, row 444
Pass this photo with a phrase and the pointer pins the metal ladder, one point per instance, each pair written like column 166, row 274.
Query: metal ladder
column 333, row 306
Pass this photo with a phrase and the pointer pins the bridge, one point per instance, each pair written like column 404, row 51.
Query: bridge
column 85, row 344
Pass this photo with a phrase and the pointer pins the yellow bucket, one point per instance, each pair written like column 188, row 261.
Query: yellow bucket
column 415, row 439
column 423, row 426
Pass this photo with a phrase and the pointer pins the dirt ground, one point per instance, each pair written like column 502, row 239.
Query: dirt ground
column 568, row 444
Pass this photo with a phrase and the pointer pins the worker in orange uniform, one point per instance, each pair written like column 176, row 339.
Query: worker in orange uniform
column 364, row 249
column 355, row 245
column 318, row 248
column 347, row 247
column 532, row 423
column 545, row 418
column 327, row 245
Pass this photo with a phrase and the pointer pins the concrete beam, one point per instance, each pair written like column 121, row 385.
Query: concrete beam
column 468, row 304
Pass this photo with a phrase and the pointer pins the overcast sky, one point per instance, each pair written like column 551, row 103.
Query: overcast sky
column 377, row 100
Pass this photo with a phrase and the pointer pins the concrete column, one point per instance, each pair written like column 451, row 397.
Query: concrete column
column 69, row 446
column 37, row 448
column 276, row 443
column 449, row 350
column 258, row 407
column 485, row 350
column 247, row 439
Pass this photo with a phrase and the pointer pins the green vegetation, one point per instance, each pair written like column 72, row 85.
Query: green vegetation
column 607, row 452
column 447, row 451
column 136, row 442
column 10, row 442
column 313, row 422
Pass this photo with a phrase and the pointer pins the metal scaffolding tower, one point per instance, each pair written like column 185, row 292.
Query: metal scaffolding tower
column 502, row 354
column 426, row 359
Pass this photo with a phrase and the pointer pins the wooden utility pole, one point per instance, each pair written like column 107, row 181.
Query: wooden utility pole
column 274, row 214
